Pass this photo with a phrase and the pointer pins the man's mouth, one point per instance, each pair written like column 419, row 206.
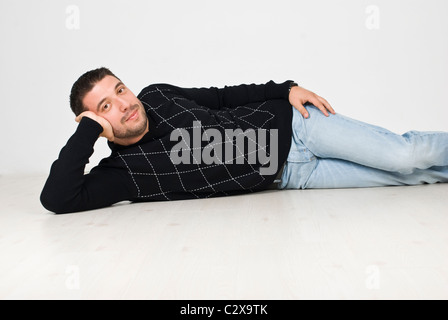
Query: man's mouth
column 133, row 115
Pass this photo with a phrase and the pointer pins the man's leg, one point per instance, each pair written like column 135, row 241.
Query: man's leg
column 343, row 138
column 305, row 171
column 338, row 152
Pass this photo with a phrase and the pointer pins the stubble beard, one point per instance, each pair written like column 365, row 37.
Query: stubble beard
column 135, row 131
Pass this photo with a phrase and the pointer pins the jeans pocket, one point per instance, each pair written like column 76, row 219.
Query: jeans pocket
column 300, row 154
column 298, row 169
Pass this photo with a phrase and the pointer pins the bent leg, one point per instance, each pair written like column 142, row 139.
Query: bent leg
column 340, row 137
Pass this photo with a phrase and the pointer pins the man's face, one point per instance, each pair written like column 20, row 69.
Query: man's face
column 113, row 101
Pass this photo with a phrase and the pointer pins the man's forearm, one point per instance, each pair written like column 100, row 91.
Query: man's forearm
column 64, row 184
column 234, row 96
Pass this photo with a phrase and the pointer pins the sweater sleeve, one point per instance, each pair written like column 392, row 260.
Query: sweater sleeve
column 234, row 96
column 68, row 189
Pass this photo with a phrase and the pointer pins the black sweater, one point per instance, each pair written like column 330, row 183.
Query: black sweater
column 145, row 171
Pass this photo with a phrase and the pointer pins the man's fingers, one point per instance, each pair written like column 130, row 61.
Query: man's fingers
column 302, row 110
column 318, row 104
column 82, row 115
column 327, row 105
column 88, row 114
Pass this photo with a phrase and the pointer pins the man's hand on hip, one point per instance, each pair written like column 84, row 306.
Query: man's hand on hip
column 299, row 96
column 108, row 132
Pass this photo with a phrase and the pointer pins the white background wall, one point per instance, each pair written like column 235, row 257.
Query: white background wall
column 384, row 62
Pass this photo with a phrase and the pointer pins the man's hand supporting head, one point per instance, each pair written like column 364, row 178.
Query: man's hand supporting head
column 108, row 132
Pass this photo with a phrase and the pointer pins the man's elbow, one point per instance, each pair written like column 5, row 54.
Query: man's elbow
column 55, row 204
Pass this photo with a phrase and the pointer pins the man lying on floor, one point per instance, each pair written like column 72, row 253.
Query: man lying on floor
column 172, row 143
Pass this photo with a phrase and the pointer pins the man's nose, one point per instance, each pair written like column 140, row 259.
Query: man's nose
column 123, row 105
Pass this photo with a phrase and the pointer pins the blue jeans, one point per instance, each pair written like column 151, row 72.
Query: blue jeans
column 339, row 152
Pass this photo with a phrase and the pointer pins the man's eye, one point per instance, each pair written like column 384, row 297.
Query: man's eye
column 106, row 107
column 121, row 90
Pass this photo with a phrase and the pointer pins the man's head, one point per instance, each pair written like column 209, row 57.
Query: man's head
column 102, row 93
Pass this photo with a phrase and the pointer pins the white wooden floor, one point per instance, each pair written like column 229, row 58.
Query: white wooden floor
column 383, row 243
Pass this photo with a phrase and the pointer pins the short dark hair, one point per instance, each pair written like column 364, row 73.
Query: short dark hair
column 83, row 85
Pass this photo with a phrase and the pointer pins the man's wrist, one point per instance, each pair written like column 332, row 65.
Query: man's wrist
column 292, row 84
column 89, row 129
